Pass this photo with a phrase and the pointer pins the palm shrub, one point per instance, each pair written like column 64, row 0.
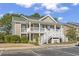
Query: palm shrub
column 24, row 39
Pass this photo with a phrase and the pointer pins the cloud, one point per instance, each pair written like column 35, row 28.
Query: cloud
column 75, row 4
column 60, row 18
column 11, row 12
column 55, row 7
column 26, row 5
column 62, row 9
column 37, row 8
column 49, row 6
column 47, row 12
column 1, row 15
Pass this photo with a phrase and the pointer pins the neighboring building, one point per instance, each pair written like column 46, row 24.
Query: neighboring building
column 45, row 28
column 67, row 26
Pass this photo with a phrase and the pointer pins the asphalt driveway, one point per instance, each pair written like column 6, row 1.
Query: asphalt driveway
column 57, row 51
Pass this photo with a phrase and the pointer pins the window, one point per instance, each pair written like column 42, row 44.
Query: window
column 23, row 25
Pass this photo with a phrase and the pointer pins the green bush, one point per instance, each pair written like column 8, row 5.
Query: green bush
column 15, row 39
column 2, row 37
column 71, row 34
column 36, row 42
column 12, row 39
column 36, row 39
column 7, row 38
column 24, row 39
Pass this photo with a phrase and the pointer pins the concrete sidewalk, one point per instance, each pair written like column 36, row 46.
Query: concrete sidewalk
column 31, row 46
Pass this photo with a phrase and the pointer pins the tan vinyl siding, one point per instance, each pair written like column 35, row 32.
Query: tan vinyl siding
column 66, row 28
column 18, row 29
column 48, row 19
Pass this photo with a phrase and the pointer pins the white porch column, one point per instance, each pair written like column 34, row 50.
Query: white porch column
column 30, row 26
column 33, row 37
column 54, row 27
column 39, row 40
column 62, row 33
column 29, row 31
column 61, row 29
column 52, row 41
column 46, row 39
column 29, row 37
column 39, row 27
column 39, row 35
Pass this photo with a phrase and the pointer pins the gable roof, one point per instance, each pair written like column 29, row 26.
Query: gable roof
column 27, row 18
column 18, row 18
column 72, row 25
column 49, row 17
column 34, row 18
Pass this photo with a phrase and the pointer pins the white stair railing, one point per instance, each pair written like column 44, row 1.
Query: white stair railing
column 50, row 34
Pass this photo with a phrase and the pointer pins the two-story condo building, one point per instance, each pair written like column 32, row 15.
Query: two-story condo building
column 46, row 28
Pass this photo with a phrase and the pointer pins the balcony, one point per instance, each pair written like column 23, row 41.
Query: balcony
column 24, row 30
column 32, row 29
column 36, row 30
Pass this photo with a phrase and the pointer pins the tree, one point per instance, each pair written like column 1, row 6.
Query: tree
column 35, row 15
column 6, row 21
column 56, row 19
column 71, row 34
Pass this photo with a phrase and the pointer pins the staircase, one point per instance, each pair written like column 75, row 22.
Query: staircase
column 51, row 34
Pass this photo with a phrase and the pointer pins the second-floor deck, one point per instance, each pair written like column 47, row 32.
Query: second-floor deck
column 38, row 30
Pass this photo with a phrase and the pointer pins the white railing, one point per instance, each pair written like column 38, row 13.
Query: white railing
column 55, row 33
column 24, row 29
column 33, row 29
column 36, row 29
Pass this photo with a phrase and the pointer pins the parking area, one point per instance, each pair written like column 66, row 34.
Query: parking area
column 51, row 51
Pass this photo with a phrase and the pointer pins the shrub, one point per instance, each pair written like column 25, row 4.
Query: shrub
column 24, row 39
column 2, row 37
column 12, row 39
column 15, row 39
column 71, row 34
column 36, row 43
column 7, row 38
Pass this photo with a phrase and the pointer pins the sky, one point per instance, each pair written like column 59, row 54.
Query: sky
column 65, row 12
